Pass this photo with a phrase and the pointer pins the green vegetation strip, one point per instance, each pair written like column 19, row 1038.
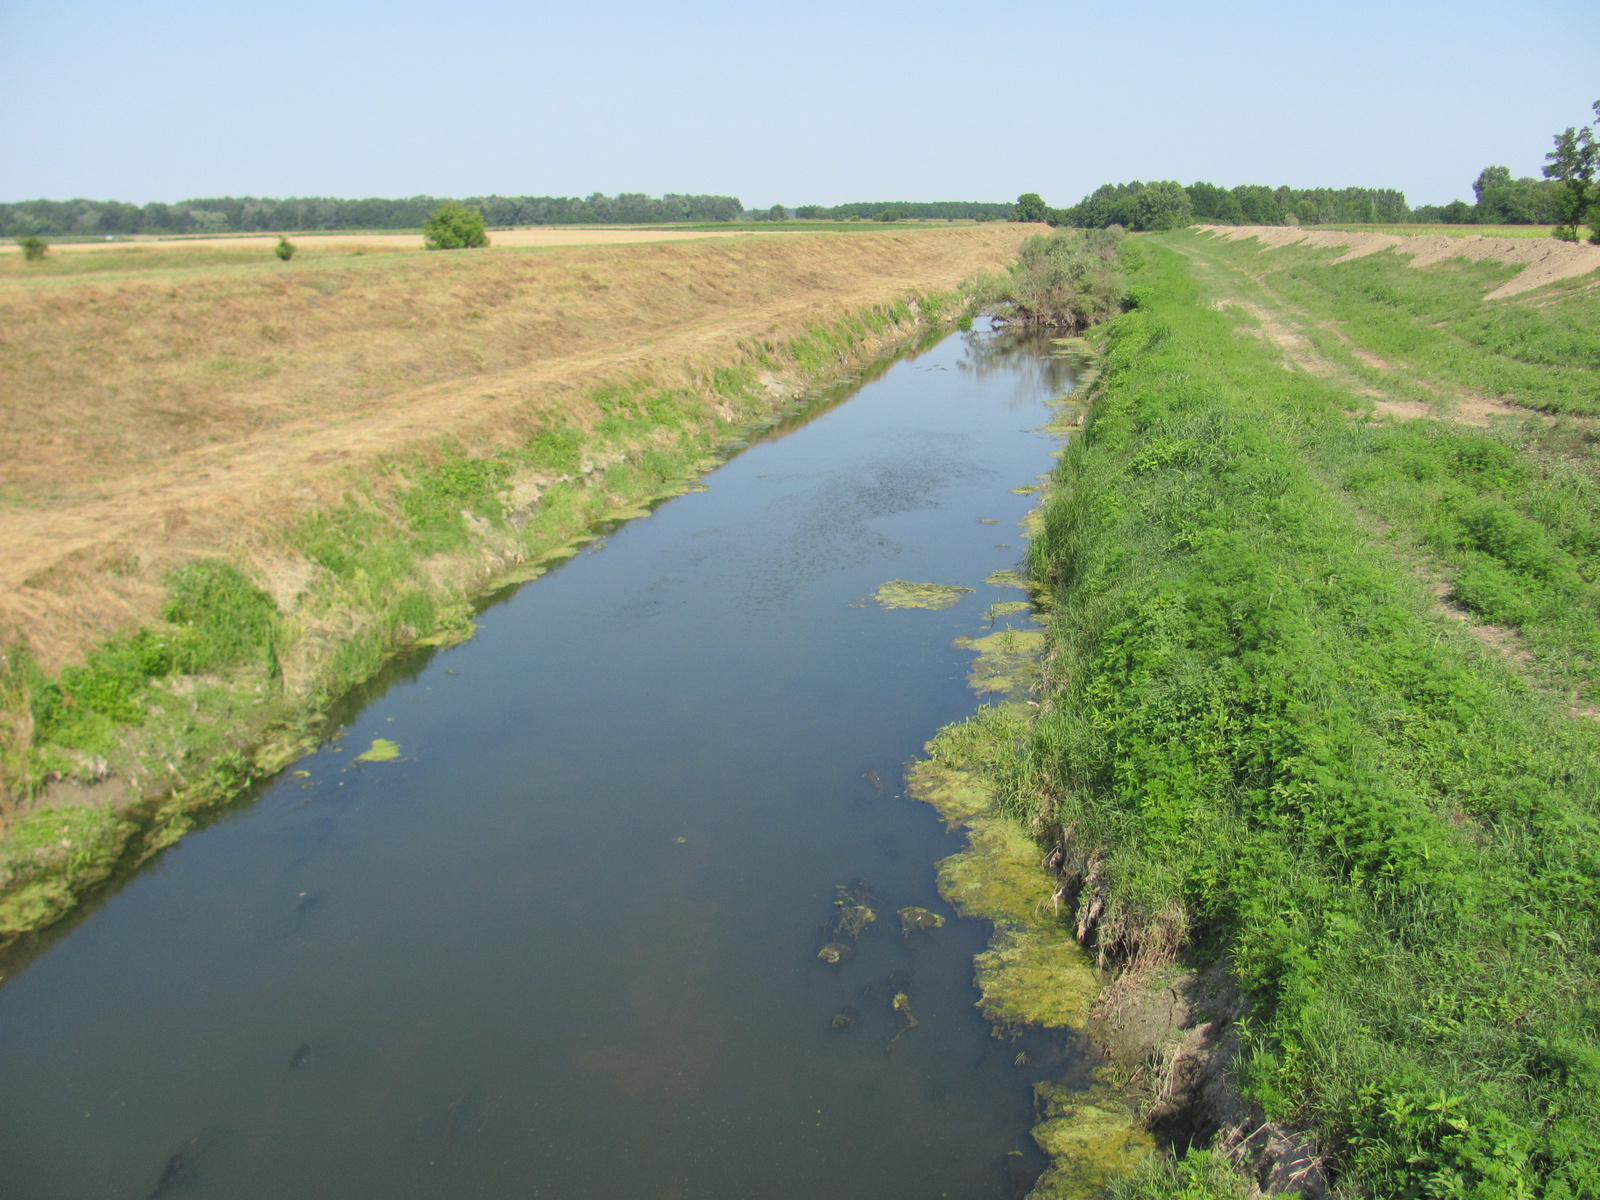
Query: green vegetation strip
column 1279, row 754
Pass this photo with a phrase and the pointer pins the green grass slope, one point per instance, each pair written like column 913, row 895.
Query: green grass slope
column 1268, row 745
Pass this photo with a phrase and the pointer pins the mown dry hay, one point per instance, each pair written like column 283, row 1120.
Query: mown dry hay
column 150, row 417
column 544, row 235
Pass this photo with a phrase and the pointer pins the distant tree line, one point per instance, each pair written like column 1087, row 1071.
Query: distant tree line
column 248, row 214
column 1167, row 204
column 907, row 210
column 1501, row 200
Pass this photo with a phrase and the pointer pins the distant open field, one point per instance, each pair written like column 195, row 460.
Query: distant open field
column 543, row 236
column 346, row 241
column 176, row 401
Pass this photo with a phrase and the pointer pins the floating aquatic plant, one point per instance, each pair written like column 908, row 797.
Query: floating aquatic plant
column 903, row 593
column 381, row 750
column 913, row 919
column 1008, row 661
column 855, row 910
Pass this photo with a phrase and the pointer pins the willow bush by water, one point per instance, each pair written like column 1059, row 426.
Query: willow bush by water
column 1069, row 279
column 1290, row 762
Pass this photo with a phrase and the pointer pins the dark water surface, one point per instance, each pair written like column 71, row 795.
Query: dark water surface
column 567, row 946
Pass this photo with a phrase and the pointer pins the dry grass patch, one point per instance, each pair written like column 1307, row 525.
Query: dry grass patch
column 150, row 416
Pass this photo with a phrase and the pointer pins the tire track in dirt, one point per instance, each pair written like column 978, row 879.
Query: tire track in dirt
column 1288, row 328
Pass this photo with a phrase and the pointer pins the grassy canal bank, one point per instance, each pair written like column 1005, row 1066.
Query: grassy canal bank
column 183, row 617
column 1315, row 762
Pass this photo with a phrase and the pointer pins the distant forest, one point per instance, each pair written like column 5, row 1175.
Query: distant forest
column 248, row 214
column 909, row 210
column 1500, row 200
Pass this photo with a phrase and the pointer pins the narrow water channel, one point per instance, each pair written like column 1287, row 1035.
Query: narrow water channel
column 567, row 945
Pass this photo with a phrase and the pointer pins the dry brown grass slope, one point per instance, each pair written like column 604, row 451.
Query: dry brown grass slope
column 150, row 416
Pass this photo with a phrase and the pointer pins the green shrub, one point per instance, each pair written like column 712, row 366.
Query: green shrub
column 454, row 226
column 284, row 249
column 33, row 248
column 1487, row 588
column 557, row 450
column 437, row 499
column 1070, row 279
column 224, row 619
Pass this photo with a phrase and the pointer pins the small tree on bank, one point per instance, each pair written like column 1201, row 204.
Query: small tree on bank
column 284, row 249
column 454, row 226
column 1573, row 164
column 33, row 248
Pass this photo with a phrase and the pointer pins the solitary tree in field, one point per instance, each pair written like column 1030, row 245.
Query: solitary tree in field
column 1573, row 163
column 888, row 214
column 284, row 249
column 1031, row 207
column 778, row 213
column 454, row 226
column 33, row 248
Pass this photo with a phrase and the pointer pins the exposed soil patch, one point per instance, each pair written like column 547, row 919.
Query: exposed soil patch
column 1286, row 337
column 1401, row 410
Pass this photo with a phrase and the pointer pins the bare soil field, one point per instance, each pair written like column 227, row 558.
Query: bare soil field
column 150, row 417
column 1547, row 260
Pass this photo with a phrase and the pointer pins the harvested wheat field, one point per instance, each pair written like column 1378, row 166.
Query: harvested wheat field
column 346, row 242
column 149, row 416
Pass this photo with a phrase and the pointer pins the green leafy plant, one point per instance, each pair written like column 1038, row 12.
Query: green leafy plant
column 454, row 226
column 33, row 248
column 224, row 618
column 284, row 249
column 1069, row 279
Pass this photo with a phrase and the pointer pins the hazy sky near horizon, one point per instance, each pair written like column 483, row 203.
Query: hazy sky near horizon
column 822, row 103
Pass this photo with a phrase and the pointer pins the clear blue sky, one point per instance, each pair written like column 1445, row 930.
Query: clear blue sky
column 811, row 103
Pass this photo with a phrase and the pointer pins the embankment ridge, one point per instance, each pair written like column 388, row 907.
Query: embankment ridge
column 1547, row 260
